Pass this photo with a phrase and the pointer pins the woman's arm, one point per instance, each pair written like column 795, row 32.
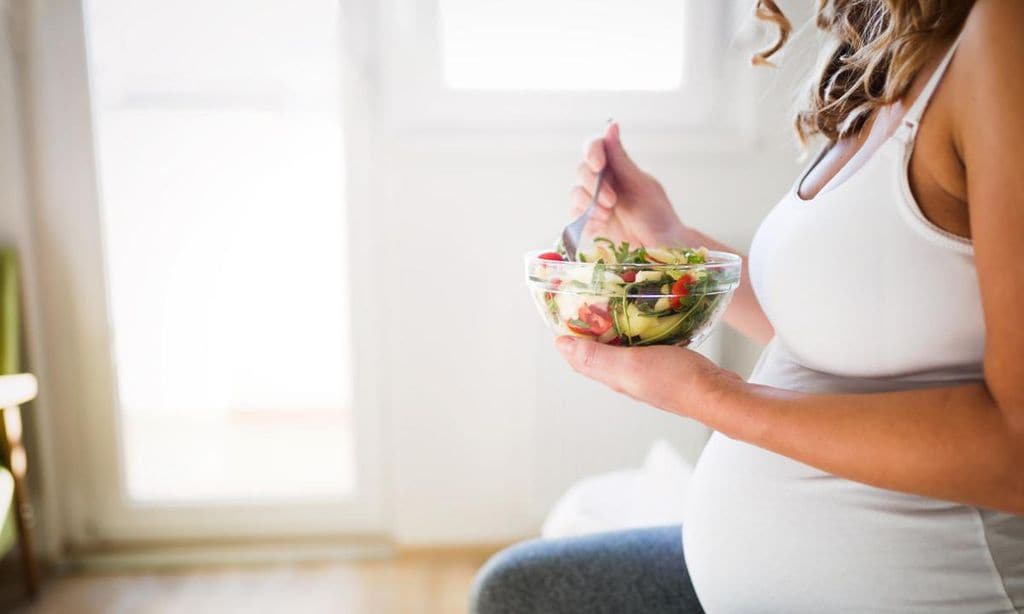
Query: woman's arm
column 962, row 443
column 955, row 443
column 988, row 133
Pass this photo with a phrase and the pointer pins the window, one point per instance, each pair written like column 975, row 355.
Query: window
column 572, row 45
column 480, row 66
column 219, row 153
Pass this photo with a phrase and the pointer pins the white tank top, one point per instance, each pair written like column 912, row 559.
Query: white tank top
column 865, row 295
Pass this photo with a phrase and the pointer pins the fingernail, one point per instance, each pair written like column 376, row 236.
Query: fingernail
column 564, row 344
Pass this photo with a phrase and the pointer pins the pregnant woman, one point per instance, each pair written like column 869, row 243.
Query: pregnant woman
column 874, row 462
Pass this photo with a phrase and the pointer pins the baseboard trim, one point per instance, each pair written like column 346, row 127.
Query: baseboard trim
column 121, row 559
column 428, row 551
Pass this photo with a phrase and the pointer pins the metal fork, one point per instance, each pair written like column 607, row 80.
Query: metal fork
column 572, row 234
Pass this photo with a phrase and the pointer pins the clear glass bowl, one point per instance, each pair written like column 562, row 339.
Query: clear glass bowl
column 634, row 304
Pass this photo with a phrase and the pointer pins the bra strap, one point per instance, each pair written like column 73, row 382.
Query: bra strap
column 912, row 119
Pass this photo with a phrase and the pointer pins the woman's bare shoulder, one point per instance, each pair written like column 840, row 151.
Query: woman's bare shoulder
column 989, row 69
column 994, row 35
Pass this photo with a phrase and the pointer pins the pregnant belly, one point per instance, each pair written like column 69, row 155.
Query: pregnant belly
column 764, row 533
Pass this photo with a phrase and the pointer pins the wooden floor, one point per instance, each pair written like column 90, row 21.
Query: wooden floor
column 425, row 583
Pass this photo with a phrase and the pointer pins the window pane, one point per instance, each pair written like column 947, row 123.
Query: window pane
column 219, row 148
column 564, row 45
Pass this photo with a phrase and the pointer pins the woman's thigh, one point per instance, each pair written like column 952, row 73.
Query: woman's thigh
column 638, row 570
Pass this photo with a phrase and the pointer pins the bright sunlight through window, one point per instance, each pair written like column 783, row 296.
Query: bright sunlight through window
column 596, row 45
column 220, row 159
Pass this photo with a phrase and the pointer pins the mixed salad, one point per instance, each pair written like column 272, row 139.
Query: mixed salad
column 633, row 295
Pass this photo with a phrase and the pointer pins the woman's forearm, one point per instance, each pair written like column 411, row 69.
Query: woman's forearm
column 948, row 443
column 744, row 312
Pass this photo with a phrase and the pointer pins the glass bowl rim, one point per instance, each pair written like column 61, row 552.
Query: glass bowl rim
column 717, row 260
column 598, row 293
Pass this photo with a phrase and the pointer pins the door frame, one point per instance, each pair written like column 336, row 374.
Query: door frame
column 82, row 391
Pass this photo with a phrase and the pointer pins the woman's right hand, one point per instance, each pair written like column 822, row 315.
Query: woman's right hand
column 632, row 205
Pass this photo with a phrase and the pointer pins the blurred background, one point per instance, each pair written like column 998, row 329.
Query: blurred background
column 264, row 260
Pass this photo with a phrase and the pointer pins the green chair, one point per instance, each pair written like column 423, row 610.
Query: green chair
column 15, row 388
column 9, row 530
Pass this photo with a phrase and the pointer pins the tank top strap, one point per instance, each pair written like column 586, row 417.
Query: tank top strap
column 912, row 119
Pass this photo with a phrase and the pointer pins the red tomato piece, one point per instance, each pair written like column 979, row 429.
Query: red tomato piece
column 679, row 290
column 551, row 256
column 597, row 319
column 629, row 276
column 580, row 327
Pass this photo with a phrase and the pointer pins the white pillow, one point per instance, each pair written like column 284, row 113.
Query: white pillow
column 653, row 495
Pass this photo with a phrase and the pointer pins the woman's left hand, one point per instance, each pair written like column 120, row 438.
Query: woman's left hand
column 675, row 379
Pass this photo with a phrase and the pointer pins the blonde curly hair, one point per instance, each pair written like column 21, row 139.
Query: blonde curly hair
column 877, row 47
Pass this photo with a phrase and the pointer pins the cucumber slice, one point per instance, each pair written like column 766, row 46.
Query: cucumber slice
column 637, row 324
column 668, row 326
column 640, row 328
column 630, row 321
column 660, row 328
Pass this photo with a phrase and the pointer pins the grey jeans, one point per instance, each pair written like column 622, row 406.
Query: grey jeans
column 639, row 570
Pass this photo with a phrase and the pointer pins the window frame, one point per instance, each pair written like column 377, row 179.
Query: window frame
column 715, row 102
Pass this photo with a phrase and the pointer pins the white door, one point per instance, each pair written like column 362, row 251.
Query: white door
column 208, row 237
